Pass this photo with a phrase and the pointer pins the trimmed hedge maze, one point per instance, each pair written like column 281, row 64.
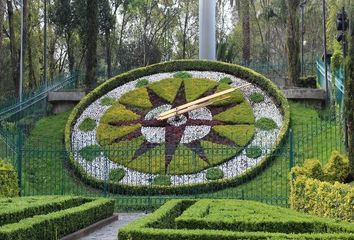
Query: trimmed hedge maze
column 232, row 219
column 49, row 217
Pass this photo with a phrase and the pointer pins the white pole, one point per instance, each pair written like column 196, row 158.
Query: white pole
column 21, row 55
column 207, row 29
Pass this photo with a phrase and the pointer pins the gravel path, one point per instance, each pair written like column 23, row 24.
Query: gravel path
column 110, row 232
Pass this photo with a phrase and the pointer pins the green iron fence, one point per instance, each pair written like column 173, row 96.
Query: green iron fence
column 43, row 167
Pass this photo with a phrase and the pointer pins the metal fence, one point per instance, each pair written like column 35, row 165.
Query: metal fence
column 43, row 167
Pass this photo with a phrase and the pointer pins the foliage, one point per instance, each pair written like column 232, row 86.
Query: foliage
column 162, row 180
column 241, row 135
column 107, row 101
column 218, row 153
column 240, row 114
column 137, row 98
column 337, row 168
column 60, row 223
column 310, row 194
column 307, row 82
column 118, row 113
column 177, row 219
column 195, row 87
column 257, row 97
column 91, row 152
column 183, row 75
column 234, row 97
column 15, row 209
column 106, row 133
column 253, row 152
column 8, row 180
column 88, row 124
column 214, row 174
column 226, row 80
column 266, row 124
column 116, row 175
column 183, row 65
column 142, row 83
column 166, row 88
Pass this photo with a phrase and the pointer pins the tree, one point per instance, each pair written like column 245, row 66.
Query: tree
column 349, row 90
column 293, row 42
column 91, row 42
column 246, row 31
column 2, row 14
column 13, row 48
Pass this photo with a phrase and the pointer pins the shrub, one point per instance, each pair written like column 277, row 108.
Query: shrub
column 8, row 180
column 266, row 124
column 307, row 82
column 337, row 168
column 313, row 169
column 183, row 75
column 240, row 114
column 137, row 98
column 257, row 97
column 142, row 83
column 58, row 224
column 15, row 209
column 214, row 174
column 91, row 152
column 107, row 101
column 162, row 180
column 253, row 152
column 196, row 87
column 233, row 97
column 226, row 80
column 166, row 88
column 239, row 134
column 116, row 175
column 87, row 125
column 231, row 220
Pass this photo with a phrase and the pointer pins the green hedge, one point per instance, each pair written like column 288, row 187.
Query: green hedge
column 8, row 180
column 58, row 224
column 176, row 66
column 310, row 194
column 249, row 216
column 16, row 209
column 161, row 226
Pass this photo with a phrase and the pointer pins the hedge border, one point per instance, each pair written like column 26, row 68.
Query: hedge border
column 175, row 66
column 58, row 224
column 164, row 228
column 42, row 206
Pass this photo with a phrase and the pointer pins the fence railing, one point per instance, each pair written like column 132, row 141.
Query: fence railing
column 44, row 167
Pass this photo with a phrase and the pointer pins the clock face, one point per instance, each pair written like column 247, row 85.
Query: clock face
column 120, row 130
column 132, row 121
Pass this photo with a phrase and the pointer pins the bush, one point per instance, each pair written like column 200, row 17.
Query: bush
column 231, row 220
column 337, row 168
column 174, row 66
column 312, row 195
column 226, row 80
column 91, row 152
column 266, row 124
column 253, row 152
column 162, row 180
column 107, row 101
column 116, row 175
column 183, row 75
column 8, row 180
column 214, row 174
column 257, row 97
column 15, row 209
column 142, row 83
column 87, row 125
column 58, row 224
column 307, row 82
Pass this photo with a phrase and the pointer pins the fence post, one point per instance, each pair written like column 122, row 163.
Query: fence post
column 291, row 149
column 19, row 146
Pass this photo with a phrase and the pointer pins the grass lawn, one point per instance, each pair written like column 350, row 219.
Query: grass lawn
column 46, row 173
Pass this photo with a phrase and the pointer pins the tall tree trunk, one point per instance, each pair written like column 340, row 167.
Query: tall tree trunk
column 185, row 30
column 2, row 13
column 91, row 42
column 108, row 53
column 293, row 42
column 349, row 91
column 32, row 75
column 70, row 51
column 246, row 32
column 13, row 49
